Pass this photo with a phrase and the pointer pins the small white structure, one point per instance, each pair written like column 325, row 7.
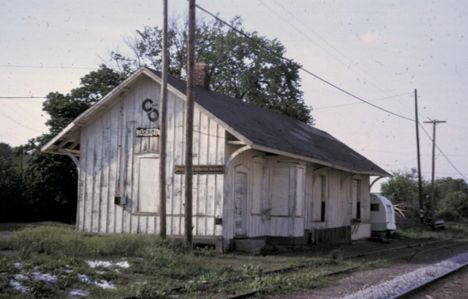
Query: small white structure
column 257, row 174
column 382, row 214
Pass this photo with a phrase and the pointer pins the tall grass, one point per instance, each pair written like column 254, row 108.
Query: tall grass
column 64, row 240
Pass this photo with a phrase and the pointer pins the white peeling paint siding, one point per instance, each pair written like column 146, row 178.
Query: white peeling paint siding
column 109, row 157
column 287, row 220
column 339, row 208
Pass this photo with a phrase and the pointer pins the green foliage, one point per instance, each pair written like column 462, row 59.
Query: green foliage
column 63, row 108
column 35, row 186
column 450, row 201
column 10, row 183
column 238, row 66
column 453, row 206
column 402, row 188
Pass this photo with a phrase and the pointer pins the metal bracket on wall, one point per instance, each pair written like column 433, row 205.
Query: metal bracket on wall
column 374, row 181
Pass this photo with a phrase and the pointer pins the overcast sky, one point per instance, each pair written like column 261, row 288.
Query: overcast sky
column 379, row 50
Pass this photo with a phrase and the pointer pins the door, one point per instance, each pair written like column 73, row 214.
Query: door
column 240, row 202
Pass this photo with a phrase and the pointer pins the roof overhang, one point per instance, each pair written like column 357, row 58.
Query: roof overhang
column 67, row 142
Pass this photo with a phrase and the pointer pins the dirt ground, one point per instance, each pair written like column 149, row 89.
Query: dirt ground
column 359, row 280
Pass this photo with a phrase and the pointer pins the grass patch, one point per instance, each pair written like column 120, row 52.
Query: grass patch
column 453, row 230
column 64, row 240
column 158, row 268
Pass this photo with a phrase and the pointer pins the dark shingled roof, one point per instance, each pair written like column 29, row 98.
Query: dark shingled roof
column 276, row 131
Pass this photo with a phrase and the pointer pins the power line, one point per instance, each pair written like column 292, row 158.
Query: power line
column 46, row 67
column 354, row 103
column 21, row 97
column 443, row 153
column 320, row 78
column 307, row 36
column 20, row 124
column 331, row 84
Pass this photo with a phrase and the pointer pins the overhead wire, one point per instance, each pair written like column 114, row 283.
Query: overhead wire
column 354, row 103
column 46, row 66
column 310, row 39
column 316, row 76
column 333, row 85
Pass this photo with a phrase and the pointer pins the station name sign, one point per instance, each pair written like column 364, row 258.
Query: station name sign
column 147, row 132
column 201, row 169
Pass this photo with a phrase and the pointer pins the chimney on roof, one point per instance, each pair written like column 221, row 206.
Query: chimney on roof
column 200, row 75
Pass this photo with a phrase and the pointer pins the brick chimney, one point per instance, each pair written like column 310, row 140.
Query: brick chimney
column 200, row 75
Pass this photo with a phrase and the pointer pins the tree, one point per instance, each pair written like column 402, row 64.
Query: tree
column 453, row 206
column 402, row 188
column 239, row 66
column 10, row 184
column 63, row 108
column 50, row 181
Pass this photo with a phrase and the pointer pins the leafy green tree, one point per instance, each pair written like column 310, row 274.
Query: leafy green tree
column 63, row 108
column 239, row 66
column 10, row 184
column 402, row 188
column 453, row 206
column 50, row 181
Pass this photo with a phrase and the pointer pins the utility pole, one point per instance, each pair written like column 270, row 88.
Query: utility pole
column 189, row 126
column 420, row 196
column 434, row 124
column 162, row 127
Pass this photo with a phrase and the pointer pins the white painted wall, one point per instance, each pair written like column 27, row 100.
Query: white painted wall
column 110, row 163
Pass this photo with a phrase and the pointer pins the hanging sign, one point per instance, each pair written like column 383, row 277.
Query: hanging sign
column 147, row 132
column 201, row 169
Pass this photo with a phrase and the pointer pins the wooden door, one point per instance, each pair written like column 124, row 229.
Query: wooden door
column 240, row 202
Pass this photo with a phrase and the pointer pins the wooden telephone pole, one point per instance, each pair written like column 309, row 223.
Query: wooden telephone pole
column 420, row 195
column 434, row 125
column 162, row 127
column 189, row 126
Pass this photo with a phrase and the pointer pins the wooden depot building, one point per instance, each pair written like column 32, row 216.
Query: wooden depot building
column 257, row 174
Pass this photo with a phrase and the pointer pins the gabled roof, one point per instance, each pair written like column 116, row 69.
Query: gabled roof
column 261, row 129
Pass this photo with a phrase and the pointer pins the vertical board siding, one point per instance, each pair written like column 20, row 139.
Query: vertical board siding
column 265, row 172
column 108, row 167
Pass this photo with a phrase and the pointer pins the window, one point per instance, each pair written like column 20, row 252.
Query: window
column 257, row 185
column 322, row 211
column 148, row 186
column 374, row 207
column 356, row 199
column 280, row 190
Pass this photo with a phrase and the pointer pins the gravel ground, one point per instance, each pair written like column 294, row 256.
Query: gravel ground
column 452, row 287
column 359, row 280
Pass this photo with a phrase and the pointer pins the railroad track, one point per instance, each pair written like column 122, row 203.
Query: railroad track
column 429, row 282
column 425, row 246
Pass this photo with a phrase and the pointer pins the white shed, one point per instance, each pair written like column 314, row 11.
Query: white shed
column 256, row 173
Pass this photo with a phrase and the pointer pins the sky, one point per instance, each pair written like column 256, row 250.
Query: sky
column 378, row 50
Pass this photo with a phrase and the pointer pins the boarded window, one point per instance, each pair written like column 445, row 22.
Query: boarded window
column 280, row 188
column 240, row 198
column 148, row 184
column 300, row 190
column 257, row 184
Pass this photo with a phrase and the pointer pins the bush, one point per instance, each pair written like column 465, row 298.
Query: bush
column 454, row 206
